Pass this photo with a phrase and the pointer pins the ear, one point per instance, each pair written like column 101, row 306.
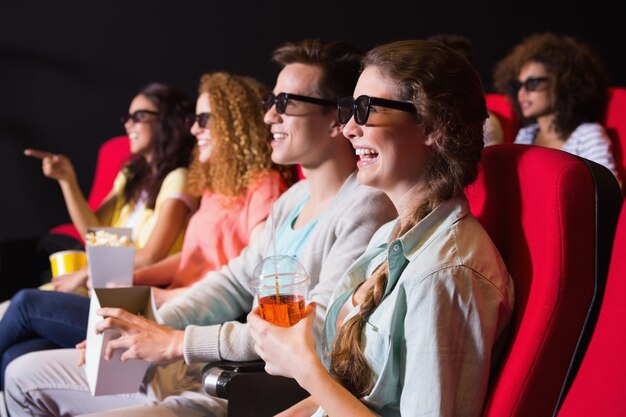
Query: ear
column 431, row 138
column 335, row 130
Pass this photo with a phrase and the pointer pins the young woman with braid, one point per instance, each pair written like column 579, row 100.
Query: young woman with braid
column 415, row 323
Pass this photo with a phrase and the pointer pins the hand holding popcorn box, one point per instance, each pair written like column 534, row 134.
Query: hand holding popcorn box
column 109, row 377
column 110, row 256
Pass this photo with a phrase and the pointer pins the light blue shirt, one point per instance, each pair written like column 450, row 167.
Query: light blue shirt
column 289, row 241
column 447, row 302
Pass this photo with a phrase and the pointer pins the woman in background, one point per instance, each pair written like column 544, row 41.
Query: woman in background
column 558, row 88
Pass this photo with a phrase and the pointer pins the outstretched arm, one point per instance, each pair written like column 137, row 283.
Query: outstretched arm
column 60, row 168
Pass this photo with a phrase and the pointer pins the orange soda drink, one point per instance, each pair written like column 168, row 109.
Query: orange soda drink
column 281, row 285
column 284, row 311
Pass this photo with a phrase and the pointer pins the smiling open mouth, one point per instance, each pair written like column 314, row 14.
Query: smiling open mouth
column 366, row 154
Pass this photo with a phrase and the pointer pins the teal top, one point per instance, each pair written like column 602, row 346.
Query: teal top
column 447, row 301
column 290, row 241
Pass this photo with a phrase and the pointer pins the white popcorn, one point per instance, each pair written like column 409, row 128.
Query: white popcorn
column 104, row 238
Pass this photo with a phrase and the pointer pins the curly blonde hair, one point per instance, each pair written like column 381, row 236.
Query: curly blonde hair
column 241, row 140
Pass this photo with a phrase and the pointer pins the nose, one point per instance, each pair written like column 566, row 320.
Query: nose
column 195, row 129
column 271, row 116
column 352, row 130
column 522, row 91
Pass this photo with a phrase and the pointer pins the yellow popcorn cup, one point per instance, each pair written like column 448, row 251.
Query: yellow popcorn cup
column 67, row 261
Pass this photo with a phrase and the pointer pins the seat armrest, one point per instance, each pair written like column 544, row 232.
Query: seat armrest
column 217, row 375
column 250, row 391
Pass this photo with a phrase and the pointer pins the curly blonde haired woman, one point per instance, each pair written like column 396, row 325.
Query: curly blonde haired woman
column 232, row 173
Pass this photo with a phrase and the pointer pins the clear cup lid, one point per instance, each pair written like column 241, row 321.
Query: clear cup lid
column 282, row 271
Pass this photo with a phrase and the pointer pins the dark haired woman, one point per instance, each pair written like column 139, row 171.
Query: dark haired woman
column 148, row 193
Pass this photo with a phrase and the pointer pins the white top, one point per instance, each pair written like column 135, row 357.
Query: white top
column 589, row 140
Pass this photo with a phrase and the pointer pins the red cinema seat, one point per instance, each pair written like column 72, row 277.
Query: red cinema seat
column 550, row 214
column 599, row 387
column 615, row 122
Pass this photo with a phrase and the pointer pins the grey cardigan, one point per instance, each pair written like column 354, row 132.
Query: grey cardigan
column 208, row 310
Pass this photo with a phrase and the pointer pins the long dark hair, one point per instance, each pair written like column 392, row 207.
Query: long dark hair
column 172, row 144
column 448, row 96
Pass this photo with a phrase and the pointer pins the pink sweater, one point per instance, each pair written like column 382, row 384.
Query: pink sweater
column 218, row 232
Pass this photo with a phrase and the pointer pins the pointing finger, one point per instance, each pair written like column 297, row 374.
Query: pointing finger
column 36, row 153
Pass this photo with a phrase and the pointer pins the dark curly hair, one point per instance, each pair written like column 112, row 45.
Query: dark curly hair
column 447, row 93
column 578, row 80
column 172, row 144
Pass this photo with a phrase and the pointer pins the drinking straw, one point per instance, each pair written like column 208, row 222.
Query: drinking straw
column 275, row 254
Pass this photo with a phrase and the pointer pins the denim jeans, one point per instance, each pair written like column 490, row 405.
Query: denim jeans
column 40, row 320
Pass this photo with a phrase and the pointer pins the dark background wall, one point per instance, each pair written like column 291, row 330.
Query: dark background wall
column 68, row 69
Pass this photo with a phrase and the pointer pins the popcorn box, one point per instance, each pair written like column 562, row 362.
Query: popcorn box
column 110, row 264
column 108, row 377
